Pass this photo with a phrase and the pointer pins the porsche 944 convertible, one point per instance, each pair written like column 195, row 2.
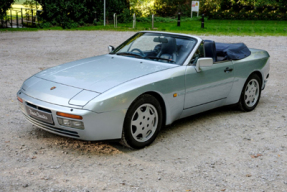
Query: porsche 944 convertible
column 147, row 82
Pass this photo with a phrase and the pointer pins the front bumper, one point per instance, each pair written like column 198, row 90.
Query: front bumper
column 97, row 126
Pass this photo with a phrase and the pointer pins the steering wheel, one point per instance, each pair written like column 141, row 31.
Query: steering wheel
column 140, row 51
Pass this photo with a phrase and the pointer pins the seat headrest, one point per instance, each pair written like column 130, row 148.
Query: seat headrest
column 169, row 47
column 210, row 49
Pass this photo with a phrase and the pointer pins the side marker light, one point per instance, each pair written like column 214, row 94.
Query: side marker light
column 19, row 99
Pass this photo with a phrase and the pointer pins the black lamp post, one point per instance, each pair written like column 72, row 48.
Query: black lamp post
column 178, row 20
column 202, row 21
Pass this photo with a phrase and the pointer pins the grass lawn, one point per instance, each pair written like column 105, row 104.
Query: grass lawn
column 212, row 27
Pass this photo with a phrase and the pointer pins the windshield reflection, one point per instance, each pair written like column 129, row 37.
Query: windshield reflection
column 165, row 48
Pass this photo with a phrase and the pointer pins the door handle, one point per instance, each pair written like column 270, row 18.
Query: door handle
column 227, row 70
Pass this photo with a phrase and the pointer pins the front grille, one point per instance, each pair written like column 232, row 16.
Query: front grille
column 38, row 108
column 49, row 128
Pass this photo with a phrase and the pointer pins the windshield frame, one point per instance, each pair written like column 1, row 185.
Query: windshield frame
column 132, row 39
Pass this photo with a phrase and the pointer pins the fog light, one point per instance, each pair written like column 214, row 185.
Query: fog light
column 76, row 123
column 66, row 122
column 71, row 123
column 60, row 121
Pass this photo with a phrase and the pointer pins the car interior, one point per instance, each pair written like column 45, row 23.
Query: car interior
column 170, row 49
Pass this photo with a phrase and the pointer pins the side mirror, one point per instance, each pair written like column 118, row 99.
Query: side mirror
column 203, row 62
column 111, row 48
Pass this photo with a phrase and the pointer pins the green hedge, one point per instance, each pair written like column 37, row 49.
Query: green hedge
column 254, row 10
column 226, row 9
column 247, row 10
column 74, row 13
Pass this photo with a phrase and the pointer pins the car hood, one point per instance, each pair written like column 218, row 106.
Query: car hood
column 101, row 73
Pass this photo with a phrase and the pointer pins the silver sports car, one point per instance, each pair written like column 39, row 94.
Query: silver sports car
column 149, row 81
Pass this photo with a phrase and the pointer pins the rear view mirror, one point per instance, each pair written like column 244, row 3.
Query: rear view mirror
column 111, row 48
column 203, row 62
column 160, row 40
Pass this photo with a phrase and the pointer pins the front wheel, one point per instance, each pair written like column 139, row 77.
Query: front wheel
column 142, row 123
column 251, row 93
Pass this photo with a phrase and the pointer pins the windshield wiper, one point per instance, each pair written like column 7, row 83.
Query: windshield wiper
column 158, row 58
column 130, row 54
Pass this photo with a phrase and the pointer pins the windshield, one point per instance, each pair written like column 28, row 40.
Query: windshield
column 165, row 48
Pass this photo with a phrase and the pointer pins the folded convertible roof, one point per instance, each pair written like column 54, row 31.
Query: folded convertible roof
column 232, row 51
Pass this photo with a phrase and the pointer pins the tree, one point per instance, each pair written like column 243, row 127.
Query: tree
column 226, row 9
column 32, row 4
column 142, row 8
column 4, row 6
column 172, row 7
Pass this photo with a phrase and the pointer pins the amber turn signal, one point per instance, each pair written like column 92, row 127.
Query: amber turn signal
column 69, row 115
column 175, row 95
column 19, row 99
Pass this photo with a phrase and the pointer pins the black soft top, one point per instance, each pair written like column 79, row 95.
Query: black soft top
column 233, row 51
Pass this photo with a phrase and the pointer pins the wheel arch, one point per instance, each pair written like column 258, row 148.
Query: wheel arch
column 161, row 101
column 259, row 74
column 237, row 96
column 126, row 137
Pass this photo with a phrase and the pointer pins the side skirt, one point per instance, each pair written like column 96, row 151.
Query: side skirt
column 202, row 107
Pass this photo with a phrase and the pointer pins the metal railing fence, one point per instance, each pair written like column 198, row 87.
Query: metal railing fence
column 20, row 18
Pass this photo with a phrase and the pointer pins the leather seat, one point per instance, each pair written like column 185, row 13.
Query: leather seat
column 210, row 49
column 168, row 50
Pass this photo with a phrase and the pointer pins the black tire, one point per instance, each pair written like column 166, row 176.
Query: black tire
column 249, row 105
column 145, row 105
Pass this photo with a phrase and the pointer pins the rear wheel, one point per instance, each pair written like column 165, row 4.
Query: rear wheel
column 251, row 93
column 142, row 123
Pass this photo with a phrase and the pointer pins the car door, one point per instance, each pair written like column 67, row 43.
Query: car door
column 209, row 86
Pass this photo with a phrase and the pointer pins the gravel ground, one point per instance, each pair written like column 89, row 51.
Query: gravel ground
column 219, row 150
